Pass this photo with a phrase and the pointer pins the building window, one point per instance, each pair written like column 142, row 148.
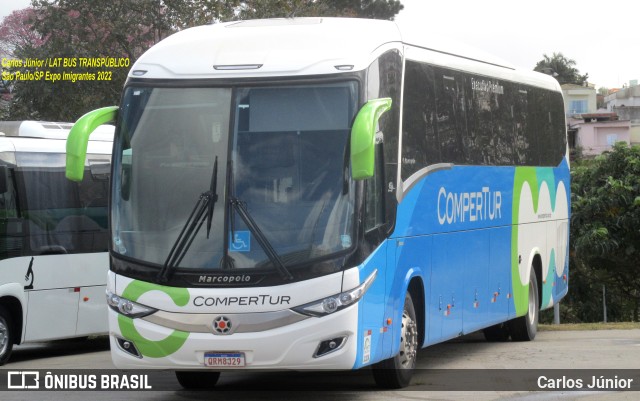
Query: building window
column 578, row 107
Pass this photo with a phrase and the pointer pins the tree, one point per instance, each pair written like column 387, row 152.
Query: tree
column 375, row 9
column 16, row 32
column 561, row 68
column 75, row 29
column 605, row 239
column 97, row 29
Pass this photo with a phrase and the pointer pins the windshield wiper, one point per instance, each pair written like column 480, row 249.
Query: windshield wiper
column 213, row 192
column 203, row 210
column 241, row 208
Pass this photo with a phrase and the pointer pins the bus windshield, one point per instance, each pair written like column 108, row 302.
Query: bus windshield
column 279, row 155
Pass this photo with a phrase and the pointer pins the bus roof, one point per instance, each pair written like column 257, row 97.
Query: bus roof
column 46, row 145
column 274, row 47
column 50, row 130
column 300, row 46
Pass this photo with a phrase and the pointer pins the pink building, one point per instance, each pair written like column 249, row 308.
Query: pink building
column 598, row 132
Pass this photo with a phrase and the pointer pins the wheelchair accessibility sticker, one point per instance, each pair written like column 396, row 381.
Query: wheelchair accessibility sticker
column 240, row 242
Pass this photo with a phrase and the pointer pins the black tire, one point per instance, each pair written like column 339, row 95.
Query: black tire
column 497, row 333
column 197, row 380
column 524, row 328
column 396, row 372
column 6, row 335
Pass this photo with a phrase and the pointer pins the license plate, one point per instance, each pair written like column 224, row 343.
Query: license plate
column 224, row 359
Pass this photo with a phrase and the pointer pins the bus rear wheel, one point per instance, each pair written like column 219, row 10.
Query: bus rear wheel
column 197, row 380
column 524, row 328
column 396, row 372
column 6, row 335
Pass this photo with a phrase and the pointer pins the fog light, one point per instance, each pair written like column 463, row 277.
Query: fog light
column 128, row 347
column 328, row 346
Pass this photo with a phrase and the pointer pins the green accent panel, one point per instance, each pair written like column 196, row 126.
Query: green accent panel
column 79, row 139
column 548, row 284
column 545, row 174
column 135, row 289
column 363, row 135
column 153, row 349
column 148, row 348
column 521, row 292
column 534, row 177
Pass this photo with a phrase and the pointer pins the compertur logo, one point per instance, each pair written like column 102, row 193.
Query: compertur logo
column 149, row 348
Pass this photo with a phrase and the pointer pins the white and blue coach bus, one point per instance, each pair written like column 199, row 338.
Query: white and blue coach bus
column 327, row 194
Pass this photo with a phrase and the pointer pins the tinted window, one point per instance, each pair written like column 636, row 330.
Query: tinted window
column 450, row 115
column 383, row 80
column 50, row 214
column 419, row 143
column 461, row 118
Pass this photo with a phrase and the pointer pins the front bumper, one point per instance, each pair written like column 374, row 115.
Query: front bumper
column 291, row 346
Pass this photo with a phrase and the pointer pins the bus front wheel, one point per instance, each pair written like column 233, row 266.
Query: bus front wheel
column 396, row 372
column 524, row 328
column 197, row 380
column 6, row 335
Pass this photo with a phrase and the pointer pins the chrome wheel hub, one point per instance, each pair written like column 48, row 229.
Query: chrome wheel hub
column 408, row 341
column 532, row 304
column 4, row 337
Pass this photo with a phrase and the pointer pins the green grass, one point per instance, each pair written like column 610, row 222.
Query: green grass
column 589, row 326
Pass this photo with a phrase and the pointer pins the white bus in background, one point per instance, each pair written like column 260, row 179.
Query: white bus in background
column 53, row 236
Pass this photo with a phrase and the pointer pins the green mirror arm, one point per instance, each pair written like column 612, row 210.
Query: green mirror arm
column 78, row 139
column 363, row 135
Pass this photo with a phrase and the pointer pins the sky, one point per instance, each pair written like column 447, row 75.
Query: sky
column 603, row 37
column 7, row 6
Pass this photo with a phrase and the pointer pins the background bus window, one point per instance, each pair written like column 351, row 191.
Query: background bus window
column 11, row 233
column 8, row 208
column 61, row 216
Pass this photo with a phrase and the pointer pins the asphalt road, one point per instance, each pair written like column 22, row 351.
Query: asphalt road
column 450, row 371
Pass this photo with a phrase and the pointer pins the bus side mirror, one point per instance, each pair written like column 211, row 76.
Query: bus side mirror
column 79, row 139
column 363, row 135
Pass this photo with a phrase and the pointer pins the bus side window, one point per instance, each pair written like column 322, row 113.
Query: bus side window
column 521, row 141
column 420, row 144
column 7, row 194
column 450, row 115
column 375, row 191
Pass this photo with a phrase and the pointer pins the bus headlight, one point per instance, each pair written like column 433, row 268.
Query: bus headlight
column 334, row 303
column 126, row 307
